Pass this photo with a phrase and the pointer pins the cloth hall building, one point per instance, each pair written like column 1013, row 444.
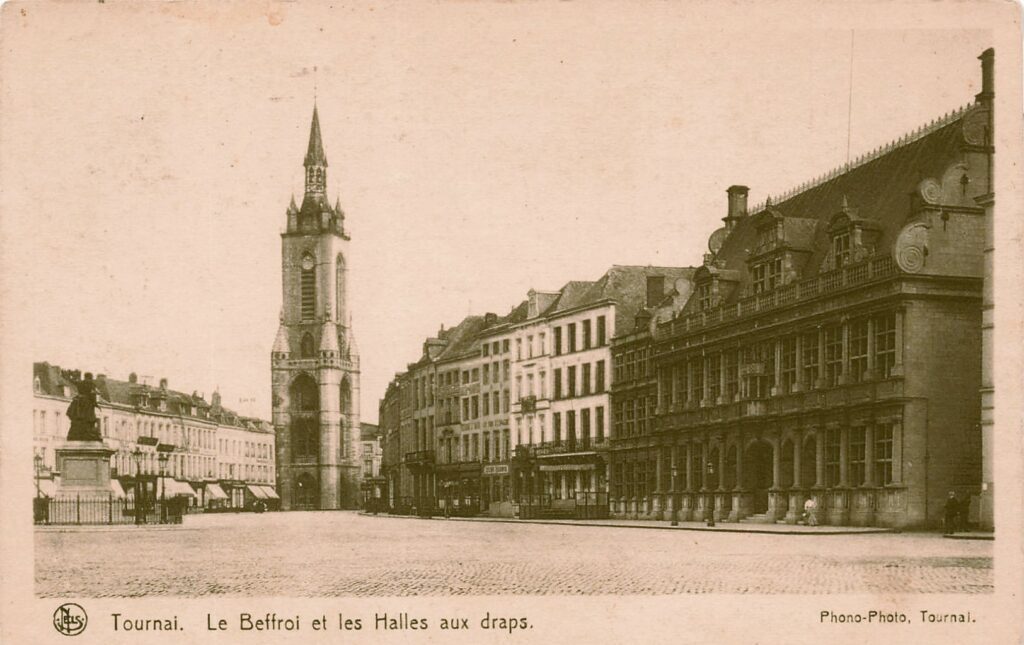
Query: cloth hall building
column 831, row 348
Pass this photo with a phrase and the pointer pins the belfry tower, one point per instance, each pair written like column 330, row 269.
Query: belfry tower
column 314, row 362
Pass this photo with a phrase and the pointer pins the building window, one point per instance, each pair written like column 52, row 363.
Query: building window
column 788, row 367
column 714, row 377
column 599, row 377
column 857, row 455
column 307, row 288
column 629, row 423
column 556, row 427
column 558, row 341
column 883, row 453
column 704, row 296
column 585, row 380
column 858, row 350
column 833, row 355
column 486, row 373
column 558, row 383
column 732, row 375
column 832, row 454
column 505, row 406
column 572, row 380
column 841, row 249
column 617, row 422
column 570, row 427
column 696, row 369
column 570, row 332
column 586, row 334
column 529, row 346
column 585, row 425
column 543, row 343
column 759, row 273
column 602, row 333
column 809, row 358
column 599, row 423
column 484, row 349
column 487, row 405
column 519, row 349
column 885, row 343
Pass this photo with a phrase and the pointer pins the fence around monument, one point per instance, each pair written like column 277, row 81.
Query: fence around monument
column 105, row 511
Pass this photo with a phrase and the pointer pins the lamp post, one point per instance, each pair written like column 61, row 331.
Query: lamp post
column 675, row 502
column 711, row 496
column 37, row 459
column 137, row 457
column 163, row 487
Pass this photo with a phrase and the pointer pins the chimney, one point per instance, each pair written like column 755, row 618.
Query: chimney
column 133, row 378
column 163, row 383
column 988, row 61
column 737, row 204
column 655, row 290
column 490, row 318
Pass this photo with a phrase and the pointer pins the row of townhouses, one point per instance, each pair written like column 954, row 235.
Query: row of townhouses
column 834, row 344
column 215, row 458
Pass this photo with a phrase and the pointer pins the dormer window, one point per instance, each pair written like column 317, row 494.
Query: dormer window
column 841, row 249
column 767, row 275
column 704, row 296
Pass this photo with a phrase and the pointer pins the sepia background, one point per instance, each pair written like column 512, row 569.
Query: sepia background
column 478, row 150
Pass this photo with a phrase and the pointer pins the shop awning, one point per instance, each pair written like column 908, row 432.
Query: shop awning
column 180, row 488
column 257, row 491
column 118, row 491
column 271, row 493
column 557, row 467
column 214, row 491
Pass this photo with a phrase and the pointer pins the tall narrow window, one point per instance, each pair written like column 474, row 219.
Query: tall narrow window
column 599, row 423
column 809, row 349
column 832, row 454
column 570, row 332
column 558, row 383
column 841, row 249
column 857, row 456
column 714, row 377
column 885, row 343
column 696, row 378
column 556, row 427
column 601, row 331
column 585, row 380
column 570, row 428
column 585, row 426
column 833, row 355
column 586, row 334
column 732, row 378
column 883, row 454
column 307, row 288
column 788, row 364
column 858, row 350
column 572, row 380
column 599, row 377
column 558, row 341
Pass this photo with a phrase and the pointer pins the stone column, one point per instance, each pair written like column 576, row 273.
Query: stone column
column 844, row 455
column 689, row 466
column 820, row 380
column 705, row 453
column 799, row 385
column 777, row 350
column 776, row 464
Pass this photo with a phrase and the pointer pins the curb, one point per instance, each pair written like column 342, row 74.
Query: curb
column 990, row 537
column 660, row 527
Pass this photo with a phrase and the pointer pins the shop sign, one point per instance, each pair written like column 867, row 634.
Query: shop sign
column 501, row 469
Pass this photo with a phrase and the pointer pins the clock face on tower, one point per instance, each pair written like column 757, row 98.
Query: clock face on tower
column 307, row 262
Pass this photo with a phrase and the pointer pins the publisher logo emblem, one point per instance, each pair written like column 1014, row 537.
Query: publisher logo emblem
column 70, row 619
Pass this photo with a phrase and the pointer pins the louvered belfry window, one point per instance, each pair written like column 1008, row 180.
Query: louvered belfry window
column 307, row 288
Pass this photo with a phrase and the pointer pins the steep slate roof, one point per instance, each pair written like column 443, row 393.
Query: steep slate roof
column 52, row 378
column 369, row 432
column 878, row 188
column 315, row 151
column 625, row 285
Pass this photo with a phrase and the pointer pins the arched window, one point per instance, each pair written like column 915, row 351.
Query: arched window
column 304, row 395
column 306, row 351
column 307, row 287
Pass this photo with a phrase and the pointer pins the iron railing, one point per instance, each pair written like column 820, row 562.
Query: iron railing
column 97, row 510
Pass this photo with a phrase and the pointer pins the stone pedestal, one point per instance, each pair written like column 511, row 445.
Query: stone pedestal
column 84, row 468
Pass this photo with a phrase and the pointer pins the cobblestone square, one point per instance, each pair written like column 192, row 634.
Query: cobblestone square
column 347, row 554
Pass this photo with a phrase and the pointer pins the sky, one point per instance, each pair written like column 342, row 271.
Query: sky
column 478, row 150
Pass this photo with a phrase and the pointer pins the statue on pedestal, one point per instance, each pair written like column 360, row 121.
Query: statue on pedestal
column 82, row 413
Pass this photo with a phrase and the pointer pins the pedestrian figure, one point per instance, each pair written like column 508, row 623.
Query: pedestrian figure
column 965, row 512
column 810, row 512
column 952, row 511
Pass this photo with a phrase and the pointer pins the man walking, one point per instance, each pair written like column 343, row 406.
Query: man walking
column 952, row 511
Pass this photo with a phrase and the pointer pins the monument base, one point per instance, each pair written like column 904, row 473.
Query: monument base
column 84, row 468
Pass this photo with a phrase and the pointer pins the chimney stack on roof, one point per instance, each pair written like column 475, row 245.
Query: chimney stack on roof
column 988, row 61
column 655, row 290
column 737, row 204
column 163, row 383
column 133, row 378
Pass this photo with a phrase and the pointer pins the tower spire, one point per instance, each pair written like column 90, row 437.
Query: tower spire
column 316, row 160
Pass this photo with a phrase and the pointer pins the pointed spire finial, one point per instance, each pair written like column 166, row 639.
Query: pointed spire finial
column 315, row 151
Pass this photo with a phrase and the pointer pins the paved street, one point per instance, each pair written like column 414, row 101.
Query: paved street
column 345, row 554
